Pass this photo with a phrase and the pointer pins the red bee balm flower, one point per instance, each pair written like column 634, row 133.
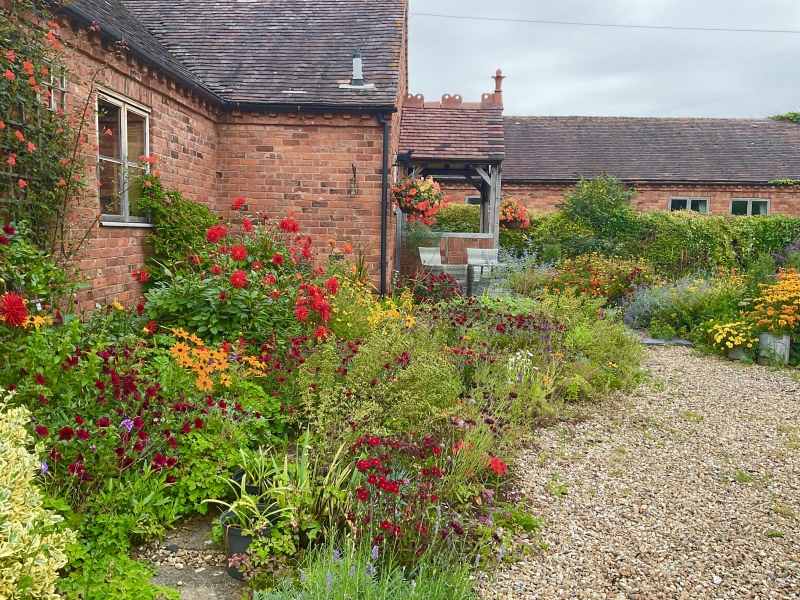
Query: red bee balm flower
column 238, row 253
column 497, row 465
column 12, row 309
column 239, row 279
column 216, row 233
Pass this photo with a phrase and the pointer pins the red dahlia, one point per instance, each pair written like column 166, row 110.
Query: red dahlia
column 239, row 279
column 13, row 310
column 216, row 233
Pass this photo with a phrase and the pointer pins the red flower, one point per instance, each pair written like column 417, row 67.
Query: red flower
column 78, row 419
column 39, row 379
column 497, row 465
column 239, row 279
column 82, row 434
column 170, row 479
column 216, row 233
column 385, row 525
column 159, row 461
column 222, row 297
column 42, row 431
column 269, row 279
column 301, row 312
column 104, row 422
column 8, row 230
column 332, row 285
column 138, row 423
column 141, row 275
column 238, row 252
column 289, row 225
column 216, row 270
column 12, row 309
column 3, row 240
column 320, row 333
column 275, row 294
column 363, row 494
column 65, row 434
column 256, row 266
column 248, row 226
column 198, row 423
column 76, row 469
column 172, row 461
column 42, row 399
column 151, row 327
column 277, row 259
column 239, row 203
column 186, row 428
column 99, row 385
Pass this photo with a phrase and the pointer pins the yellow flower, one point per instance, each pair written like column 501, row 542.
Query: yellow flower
column 204, row 384
column 185, row 361
column 195, row 340
column 117, row 305
column 225, row 380
column 179, row 349
column 180, row 333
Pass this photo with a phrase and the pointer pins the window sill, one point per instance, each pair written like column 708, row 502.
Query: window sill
column 132, row 224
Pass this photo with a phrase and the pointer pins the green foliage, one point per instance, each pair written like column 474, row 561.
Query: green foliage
column 794, row 117
column 753, row 237
column 180, row 227
column 786, row 182
column 117, row 577
column 42, row 181
column 603, row 204
column 354, row 575
column 415, row 388
column 459, row 218
column 31, row 272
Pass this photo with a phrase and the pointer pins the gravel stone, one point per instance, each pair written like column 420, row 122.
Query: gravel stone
column 686, row 488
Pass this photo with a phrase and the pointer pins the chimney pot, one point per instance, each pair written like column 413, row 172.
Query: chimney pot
column 358, row 69
column 498, row 88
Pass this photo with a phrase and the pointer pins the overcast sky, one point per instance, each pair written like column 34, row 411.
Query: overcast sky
column 572, row 70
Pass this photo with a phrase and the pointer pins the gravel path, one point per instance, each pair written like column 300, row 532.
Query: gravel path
column 686, row 488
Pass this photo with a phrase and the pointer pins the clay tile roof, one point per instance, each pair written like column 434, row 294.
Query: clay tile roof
column 456, row 134
column 253, row 51
column 651, row 149
column 115, row 14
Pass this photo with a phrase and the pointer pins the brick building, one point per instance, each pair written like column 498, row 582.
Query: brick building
column 719, row 166
column 242, row 99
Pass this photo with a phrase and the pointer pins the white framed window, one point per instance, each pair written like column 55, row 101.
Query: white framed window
column 690, row 203
column 56, row 92
column 749, row 207
column 473, row 200
column 123, row 135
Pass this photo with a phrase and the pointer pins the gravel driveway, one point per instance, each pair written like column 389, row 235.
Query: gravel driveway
column 686, row 488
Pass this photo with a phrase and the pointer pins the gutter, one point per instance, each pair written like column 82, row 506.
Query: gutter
column 654, row 182
column 384, row 200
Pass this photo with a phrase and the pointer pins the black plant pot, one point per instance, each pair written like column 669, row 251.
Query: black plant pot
column 238, row 543
column 252, row 490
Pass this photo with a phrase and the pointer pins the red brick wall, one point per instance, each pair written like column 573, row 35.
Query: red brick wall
column 783, row 201
column 182, row 133
column 301, row 162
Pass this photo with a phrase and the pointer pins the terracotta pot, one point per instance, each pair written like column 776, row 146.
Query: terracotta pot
column 515, row 224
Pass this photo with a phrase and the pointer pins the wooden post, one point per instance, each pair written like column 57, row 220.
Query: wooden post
column 495, row 205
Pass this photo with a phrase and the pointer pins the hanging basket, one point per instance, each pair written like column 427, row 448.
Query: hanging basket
column 405, row 209
column 515, row 224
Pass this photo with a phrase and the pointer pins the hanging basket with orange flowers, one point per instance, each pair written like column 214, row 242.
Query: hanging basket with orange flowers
column 419, row 198
column 513, row 215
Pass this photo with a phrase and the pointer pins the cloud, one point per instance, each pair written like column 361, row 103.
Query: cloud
column 571, row 70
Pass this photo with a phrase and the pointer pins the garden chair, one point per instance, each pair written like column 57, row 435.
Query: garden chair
column 432, row 262
column 484, row 271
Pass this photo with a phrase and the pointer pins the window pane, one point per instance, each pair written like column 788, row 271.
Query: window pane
column 108, row 120
column 136, row 136
column 739, row 207
column 677, row 204
column 759, row 207
column 109, row 188
column 474, row 200
column 134, row 192
column 700, row 206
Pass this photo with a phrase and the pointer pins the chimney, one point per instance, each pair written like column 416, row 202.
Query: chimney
column 498, row 88
column 357, row 80
column 358, row 69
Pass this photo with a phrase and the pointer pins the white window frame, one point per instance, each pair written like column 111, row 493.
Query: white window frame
column 56, row 84
column 689, row 199
column 750, row 205
column 124, row 161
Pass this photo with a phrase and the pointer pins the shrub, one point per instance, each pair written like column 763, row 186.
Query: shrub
column 32, row 547
column 385, row 384
column 611, row 278
column 459, row 218
column 685, row 304
column 603, row 205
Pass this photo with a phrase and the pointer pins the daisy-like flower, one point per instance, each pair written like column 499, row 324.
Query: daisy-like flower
column 204, row 384
column 180, row 333
column 13, row 310
column 179, row 349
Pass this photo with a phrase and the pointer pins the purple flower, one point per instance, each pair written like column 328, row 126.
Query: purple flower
column 44, row 466
column 303, row 577
column 127, row 424
column 337, row 556
column 328, row 580
column 352, row 571
column 370, row 570
column 374, row 554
